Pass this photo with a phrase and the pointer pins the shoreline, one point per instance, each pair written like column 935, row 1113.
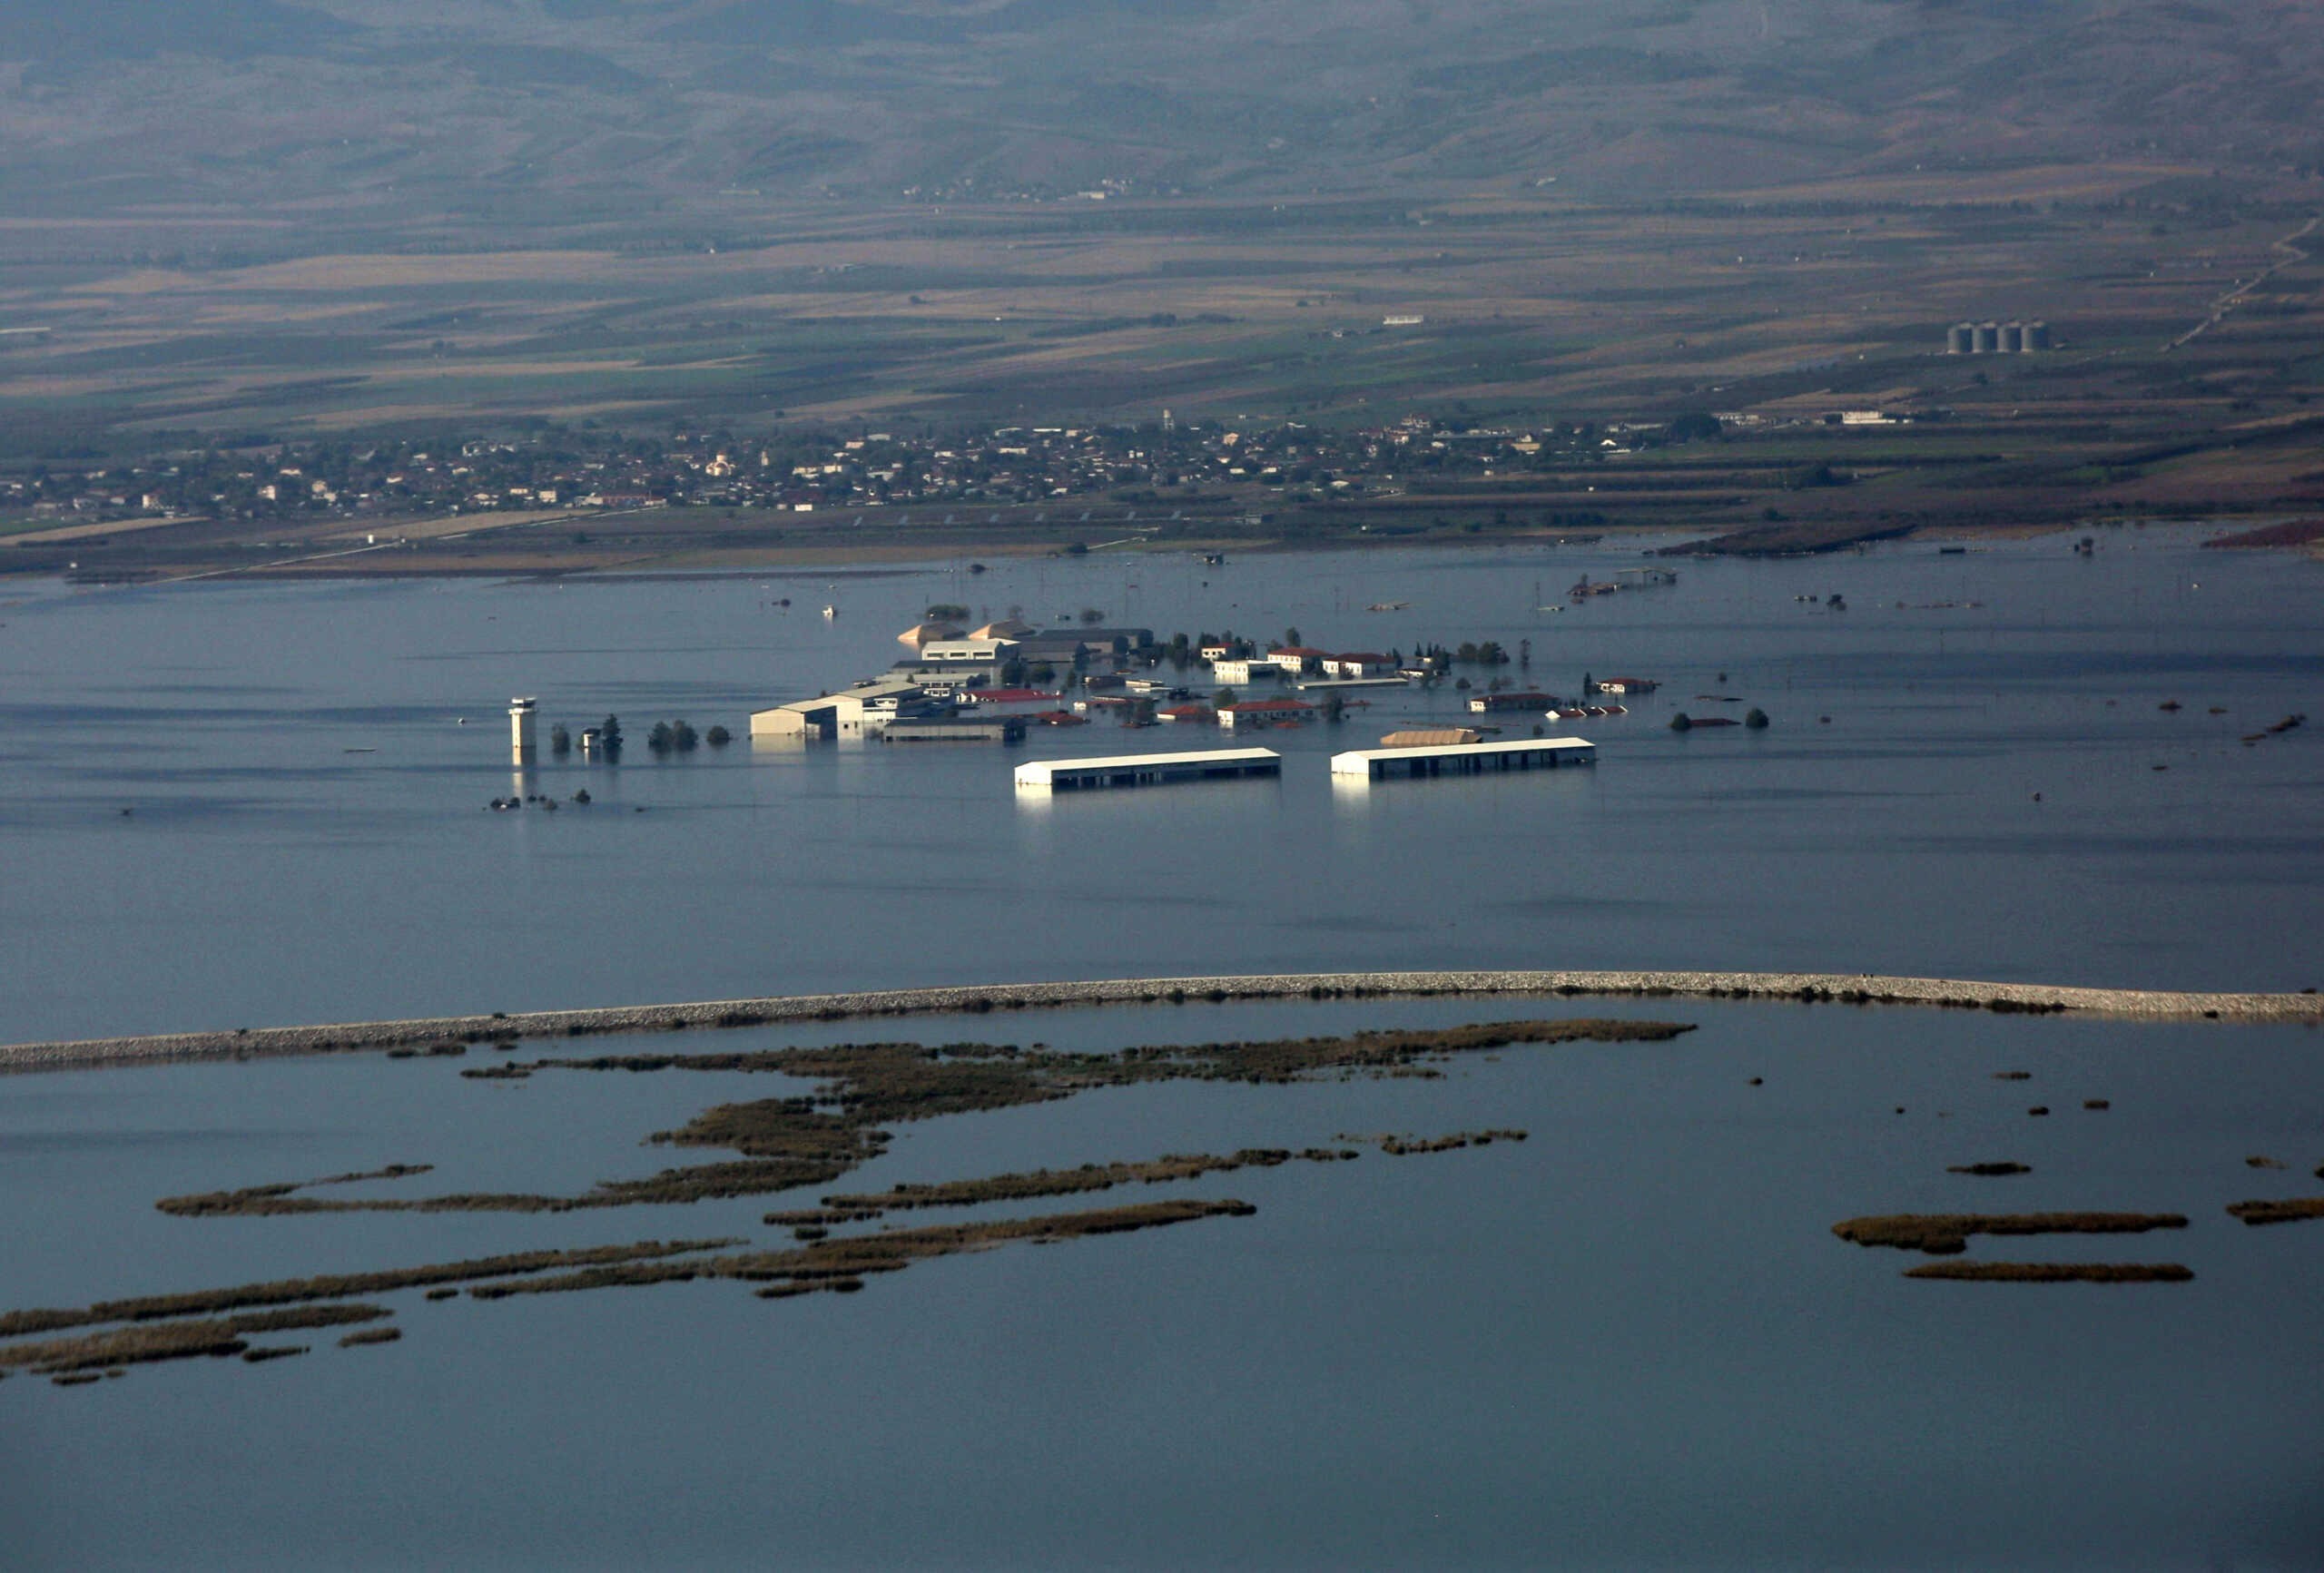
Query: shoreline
column 897, row 552
column 1845, row 988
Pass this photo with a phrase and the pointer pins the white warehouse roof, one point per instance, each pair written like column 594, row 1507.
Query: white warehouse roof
column 1147, row 769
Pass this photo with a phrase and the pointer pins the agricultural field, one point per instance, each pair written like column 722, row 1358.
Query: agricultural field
column 461, row 223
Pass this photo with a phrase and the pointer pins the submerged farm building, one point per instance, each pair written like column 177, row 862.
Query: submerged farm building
column 1371, row 764
column 1148, row 769
column 1298, row 659
column 1264, row 713
column 1241, row 673
column 966, row 652
column 845, row 714
column 1526, row 699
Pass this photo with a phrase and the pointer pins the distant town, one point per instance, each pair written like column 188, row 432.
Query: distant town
column 579, row 469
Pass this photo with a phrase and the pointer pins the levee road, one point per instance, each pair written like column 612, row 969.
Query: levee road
column 1849, row 989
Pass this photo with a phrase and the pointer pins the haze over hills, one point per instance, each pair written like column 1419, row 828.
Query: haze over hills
column 528, row 110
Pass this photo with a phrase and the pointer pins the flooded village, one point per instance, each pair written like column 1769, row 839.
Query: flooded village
column 998, row 681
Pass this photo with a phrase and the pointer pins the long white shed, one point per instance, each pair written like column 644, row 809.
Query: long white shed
column 1136, row 770
column 1464, row 758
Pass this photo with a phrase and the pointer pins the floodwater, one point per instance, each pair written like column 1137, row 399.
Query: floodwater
column 264, row 874
column 1630, row 1340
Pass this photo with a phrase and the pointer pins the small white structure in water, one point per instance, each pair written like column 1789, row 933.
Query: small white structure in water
column 524, row 744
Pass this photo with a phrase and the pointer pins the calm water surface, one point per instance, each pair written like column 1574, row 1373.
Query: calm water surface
column 1629, row 1341
column 266, row 874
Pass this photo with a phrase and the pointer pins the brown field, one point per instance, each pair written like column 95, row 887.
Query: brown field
column 1778, row 304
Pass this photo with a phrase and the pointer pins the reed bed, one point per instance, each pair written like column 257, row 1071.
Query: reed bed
column 858, row 1092
column 258, row 1200
column 2284, row 1210
column 128, row 1346
column 146, row 1342
column 339, row 1286
column 1407, row 1146
column 827, row 1263
column 821, row 1217
column 2054, row 1272
column 1947, row 1233
column 790, row 1142
column 1038, row 1183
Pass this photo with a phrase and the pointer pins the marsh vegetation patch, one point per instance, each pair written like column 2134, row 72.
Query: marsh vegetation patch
column 855, row 1093
column 2054, row 1272
column 1947, row 1233
column 815, row 1138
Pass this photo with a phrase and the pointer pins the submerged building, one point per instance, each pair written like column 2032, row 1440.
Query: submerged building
column 1371, row 764
column 1138, row 769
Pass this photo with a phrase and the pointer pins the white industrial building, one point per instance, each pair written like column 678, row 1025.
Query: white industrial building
column 965, row 652
column 1138, row 769
column 1371, row 764
column 842, row 714
column 1237, row 673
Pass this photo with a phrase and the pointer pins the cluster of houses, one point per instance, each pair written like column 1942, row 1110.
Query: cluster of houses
column 804, row 472
column 1235, row 665
column 991, row 682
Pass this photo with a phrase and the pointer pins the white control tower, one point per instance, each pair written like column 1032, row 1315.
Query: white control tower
column 522, row 744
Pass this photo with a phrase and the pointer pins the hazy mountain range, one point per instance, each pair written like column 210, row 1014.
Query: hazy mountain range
column 529, row 107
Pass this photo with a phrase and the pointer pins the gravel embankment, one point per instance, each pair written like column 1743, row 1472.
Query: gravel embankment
column 1841, row 988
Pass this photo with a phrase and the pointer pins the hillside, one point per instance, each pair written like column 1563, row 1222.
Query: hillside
column 546, row 112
